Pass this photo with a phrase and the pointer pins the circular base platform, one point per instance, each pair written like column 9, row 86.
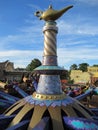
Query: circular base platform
column 52, row 112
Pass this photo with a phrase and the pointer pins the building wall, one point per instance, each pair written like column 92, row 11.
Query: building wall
column 15, row 75
column 91, row 76
column 92, row 69
column 80, row 77
column 5, row 66
column 94, row 73
column 9, row 66
column 8, row 72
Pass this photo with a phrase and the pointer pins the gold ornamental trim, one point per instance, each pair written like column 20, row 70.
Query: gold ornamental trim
column 48, row 97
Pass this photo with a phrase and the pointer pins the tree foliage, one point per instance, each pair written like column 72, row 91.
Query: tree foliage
column 73, row 67
column 95, row 65
column 64, row 75
column 34, row 63
column 83, row 67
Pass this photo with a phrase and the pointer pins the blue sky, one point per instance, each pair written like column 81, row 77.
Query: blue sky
column 21, row 37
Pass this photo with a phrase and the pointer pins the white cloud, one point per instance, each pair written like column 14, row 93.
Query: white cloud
column 78, row 28
column 69, row 56
column 66, row 56
column 28, row 36
column 34, row 7
column 20, row 58
column 88, row 2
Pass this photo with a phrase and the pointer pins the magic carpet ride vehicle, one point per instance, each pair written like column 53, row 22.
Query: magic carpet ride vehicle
column 48, row 108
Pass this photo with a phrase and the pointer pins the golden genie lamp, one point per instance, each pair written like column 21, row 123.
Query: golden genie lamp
column 49, row 108
column 51, row 14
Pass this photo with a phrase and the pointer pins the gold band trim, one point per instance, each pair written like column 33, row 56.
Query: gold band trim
column 48, row 97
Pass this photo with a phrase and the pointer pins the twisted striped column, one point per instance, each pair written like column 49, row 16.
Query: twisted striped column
column 50, row 39
column 50, row 47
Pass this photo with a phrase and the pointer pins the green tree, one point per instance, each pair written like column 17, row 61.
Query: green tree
column 34, row 63
column 83, row 67
column 95, row 65
column 64, row 75
column 73, row 67
column 71, row 81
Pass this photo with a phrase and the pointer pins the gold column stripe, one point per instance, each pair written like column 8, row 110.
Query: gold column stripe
column 69, row 111
column 37, row 116
column 55, row 113
column 15, row 108
column 21, row 114
column 83, row 111
column 12, row 106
